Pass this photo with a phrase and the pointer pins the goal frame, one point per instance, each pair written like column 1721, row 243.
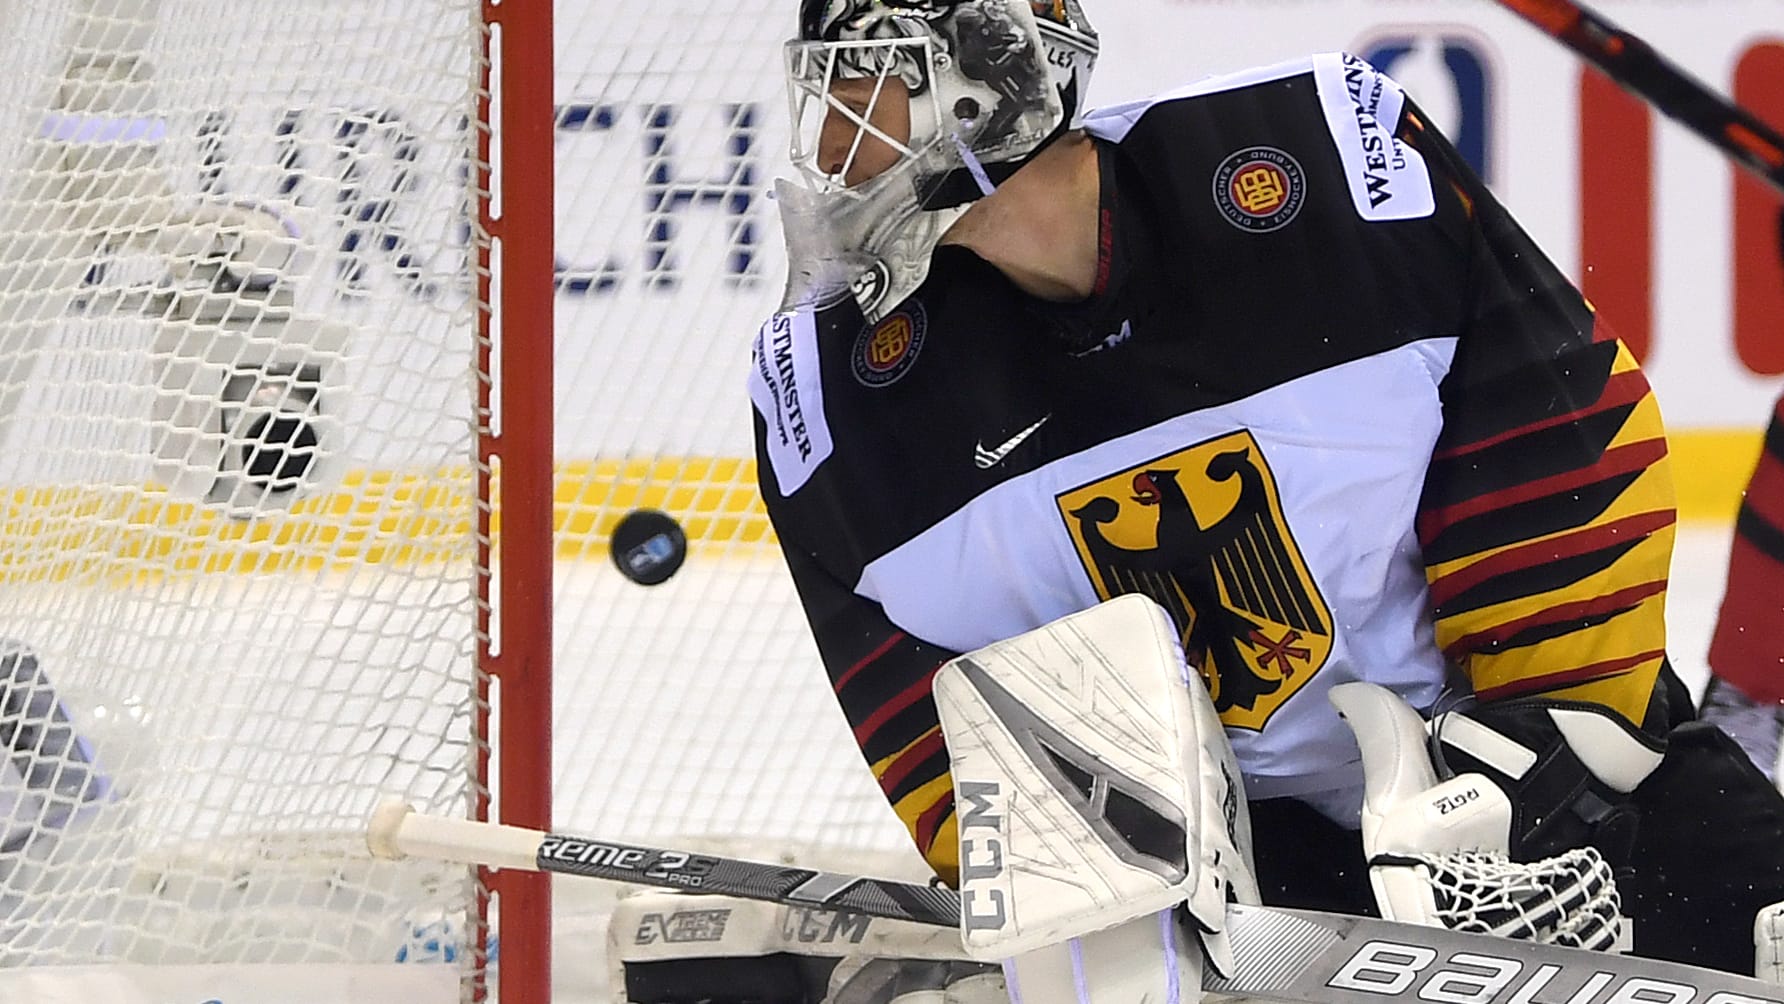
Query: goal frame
column 515, row 345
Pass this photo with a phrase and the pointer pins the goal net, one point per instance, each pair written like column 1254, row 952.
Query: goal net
column 694, row 712
column 240, row 428
column 251, row 372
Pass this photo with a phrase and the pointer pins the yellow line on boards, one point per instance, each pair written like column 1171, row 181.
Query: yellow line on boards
column 125, row 532
column 1710, row 471
column 53, row 534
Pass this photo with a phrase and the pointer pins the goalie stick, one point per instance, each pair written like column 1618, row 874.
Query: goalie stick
column 1294, row 956
column 1639, row 69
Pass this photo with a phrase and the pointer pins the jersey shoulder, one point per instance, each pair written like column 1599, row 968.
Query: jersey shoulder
column 1326, row 123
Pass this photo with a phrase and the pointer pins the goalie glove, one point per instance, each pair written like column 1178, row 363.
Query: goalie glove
column 1437, row 851
column 1569, row 900
column 1567, row 767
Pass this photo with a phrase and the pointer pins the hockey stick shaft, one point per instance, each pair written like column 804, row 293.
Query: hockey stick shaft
column 1289, row 956
column 396, row 831
column 1638, row 68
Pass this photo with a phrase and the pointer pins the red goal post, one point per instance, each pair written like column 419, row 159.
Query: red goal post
column 517, row 342
column 276, row 492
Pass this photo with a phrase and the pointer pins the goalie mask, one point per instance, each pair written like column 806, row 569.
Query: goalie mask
column 988, row 84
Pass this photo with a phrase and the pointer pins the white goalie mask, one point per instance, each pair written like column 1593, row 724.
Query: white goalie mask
column 988, row 84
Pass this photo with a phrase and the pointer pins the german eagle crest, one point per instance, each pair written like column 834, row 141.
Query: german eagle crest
column 1201, row 531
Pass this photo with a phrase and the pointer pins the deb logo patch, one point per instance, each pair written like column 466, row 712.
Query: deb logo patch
column 1259, row 189
column 885, row 351
column 1388, row 180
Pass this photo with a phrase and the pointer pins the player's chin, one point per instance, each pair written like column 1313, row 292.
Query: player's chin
column 865, row 169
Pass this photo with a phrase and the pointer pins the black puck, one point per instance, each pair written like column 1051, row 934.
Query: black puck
column 280, row 450
column 648, row 546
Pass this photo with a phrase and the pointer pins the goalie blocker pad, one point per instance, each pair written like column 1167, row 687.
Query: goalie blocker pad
column 1094, row 784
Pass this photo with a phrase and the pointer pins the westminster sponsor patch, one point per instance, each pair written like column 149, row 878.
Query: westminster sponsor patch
column 1259, row 189
column 785, row 389
column 1388, row 180
column 886, row 350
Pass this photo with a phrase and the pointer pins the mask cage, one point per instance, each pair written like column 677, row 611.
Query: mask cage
column 812, row 67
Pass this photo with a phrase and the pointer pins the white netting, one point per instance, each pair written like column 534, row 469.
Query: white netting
column 696, row 707
column 237, row 340
column 1569, row 899
column 696, row 710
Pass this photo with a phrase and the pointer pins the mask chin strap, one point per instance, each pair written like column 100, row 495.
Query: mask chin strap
column 978, row 179
column 976, row 169
column 958, row 187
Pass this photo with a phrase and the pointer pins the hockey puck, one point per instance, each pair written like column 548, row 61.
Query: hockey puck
column 280, row 450
column 648, row 546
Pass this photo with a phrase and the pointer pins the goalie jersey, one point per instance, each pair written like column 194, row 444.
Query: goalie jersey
column 1328, row 405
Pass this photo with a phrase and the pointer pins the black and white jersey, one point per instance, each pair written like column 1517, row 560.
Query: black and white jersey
column 1327, row 405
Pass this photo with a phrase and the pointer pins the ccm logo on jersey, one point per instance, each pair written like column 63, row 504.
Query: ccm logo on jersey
column 1388, row 180
column 984, row 888
column 1392, row 969
column 785, row 389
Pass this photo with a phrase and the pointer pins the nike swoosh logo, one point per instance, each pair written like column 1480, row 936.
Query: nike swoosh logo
column 987, row 459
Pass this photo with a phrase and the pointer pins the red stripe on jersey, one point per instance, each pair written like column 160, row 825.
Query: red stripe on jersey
column 866, row 660
column 931, row 820
column 1620, row 460
column 1105, row 251
column 910, row 760
column 1568, row 678
column 1619, row 389
column 904, row 699
column 1499, row 634
column 1626, row 530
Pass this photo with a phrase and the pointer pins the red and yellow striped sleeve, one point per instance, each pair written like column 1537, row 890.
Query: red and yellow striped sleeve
column 1548, row 512
column 1547, row 542
column 882, row 678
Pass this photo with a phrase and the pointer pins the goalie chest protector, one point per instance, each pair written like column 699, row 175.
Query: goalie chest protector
column 1238, row 422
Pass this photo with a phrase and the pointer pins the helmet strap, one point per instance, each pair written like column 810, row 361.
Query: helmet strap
column 968, row 184
column 974, row 167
